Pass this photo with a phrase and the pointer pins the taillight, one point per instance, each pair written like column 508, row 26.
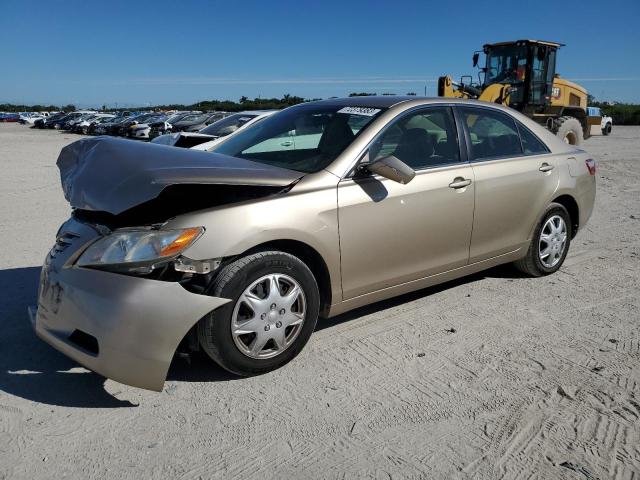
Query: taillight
column 591, row 165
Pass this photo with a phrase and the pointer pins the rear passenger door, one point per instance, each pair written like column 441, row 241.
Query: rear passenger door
column 514, row 180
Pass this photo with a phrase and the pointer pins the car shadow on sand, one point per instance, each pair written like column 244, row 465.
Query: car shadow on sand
column 31, row 369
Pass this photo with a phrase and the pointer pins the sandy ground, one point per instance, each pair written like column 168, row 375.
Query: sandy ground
column 540, row 379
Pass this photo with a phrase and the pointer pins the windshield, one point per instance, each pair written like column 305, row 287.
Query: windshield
column 228, row 125
column 506, row 64
column 306, row 138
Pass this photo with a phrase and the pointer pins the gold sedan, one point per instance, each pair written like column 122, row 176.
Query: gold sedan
column 318, row 209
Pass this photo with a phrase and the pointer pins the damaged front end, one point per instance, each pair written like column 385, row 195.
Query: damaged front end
column 123, row 188
column 117, row 293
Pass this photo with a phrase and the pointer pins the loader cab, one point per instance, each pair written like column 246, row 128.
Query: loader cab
column 528, row 66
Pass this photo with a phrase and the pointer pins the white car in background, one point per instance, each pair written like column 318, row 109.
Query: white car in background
column 213, row 134
column 29, row 117
column 596, row 117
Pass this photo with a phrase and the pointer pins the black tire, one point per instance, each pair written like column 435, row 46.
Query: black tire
column 531, row 263
column 570, row 130
column 607, row 129
column 214, row 330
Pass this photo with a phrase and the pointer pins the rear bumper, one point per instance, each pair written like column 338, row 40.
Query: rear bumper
column 137, row 323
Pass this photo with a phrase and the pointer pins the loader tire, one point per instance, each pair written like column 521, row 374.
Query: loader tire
column 569, row 129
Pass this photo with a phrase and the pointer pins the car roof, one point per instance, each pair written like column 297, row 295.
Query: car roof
column 373, row 101
column 388, row 101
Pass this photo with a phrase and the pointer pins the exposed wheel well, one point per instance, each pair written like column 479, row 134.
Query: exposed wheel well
column 312, row 259
column 568, row 202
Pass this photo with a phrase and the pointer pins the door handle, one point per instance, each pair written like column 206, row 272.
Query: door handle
column 545, row 167
column 460, row 182
column 287, row 143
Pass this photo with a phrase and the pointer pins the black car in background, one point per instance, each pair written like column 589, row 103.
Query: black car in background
column 43, row 122
column 93, row 126
column 195, row 122
column 62, row 121
column 110, row 128
column 123, row 127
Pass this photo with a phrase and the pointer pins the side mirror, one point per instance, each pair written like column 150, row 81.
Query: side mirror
column 476, row 56
column 392, row 168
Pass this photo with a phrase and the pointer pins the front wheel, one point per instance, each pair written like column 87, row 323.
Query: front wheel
column 550, row 243
column 273, row 311
column 607, row 129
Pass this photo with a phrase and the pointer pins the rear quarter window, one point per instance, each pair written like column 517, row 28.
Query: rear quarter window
column 531, row 144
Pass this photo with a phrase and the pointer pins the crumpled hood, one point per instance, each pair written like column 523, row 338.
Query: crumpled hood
column 113, row 175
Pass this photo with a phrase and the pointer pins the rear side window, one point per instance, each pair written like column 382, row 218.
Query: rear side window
column 493, row 134
column 530, row 143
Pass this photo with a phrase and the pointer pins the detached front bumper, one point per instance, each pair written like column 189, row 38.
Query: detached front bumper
column 125, row 328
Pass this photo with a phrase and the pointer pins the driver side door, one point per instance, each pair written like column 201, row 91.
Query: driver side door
column 392, row 233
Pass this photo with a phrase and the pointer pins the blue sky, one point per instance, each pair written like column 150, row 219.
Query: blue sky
column 148, row 52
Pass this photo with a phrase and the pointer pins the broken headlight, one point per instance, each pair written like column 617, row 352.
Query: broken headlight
column 138, row 248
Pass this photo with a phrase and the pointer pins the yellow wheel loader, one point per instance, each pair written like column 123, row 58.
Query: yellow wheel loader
column 522, row 75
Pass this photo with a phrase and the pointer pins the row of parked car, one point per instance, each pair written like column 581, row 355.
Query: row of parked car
column 180, row 128
column 23, row 117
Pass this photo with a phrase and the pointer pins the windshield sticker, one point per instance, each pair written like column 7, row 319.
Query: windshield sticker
column 367, row 112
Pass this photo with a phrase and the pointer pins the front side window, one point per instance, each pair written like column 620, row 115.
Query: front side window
column 306, row 138
column 423, row 139
column 493, row 134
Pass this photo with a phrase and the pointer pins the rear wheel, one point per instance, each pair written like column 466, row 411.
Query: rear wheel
column 550, row 243
column 607, row 129
column 273, row 311
column 570, row 130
